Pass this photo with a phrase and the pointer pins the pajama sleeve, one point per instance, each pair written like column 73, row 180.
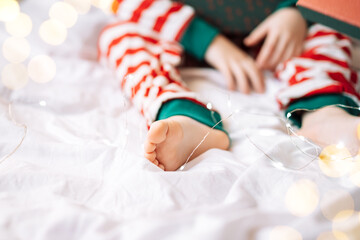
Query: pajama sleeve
column 169, row 19
column 198, row 36
column 320, row 76
column 142, row 48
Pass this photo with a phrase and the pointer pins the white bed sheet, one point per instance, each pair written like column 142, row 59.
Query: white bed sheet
column 80, row 174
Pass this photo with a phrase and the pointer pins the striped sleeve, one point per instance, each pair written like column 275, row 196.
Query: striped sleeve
column 169, row 19
column 321, row 75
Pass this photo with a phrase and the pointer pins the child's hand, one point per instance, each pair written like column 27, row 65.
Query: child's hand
column 284, row 32
column 238, row 68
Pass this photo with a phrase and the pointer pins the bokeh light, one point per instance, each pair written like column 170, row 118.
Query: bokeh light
column 355, row 171
column 9, row 10
column 42, row 69
column 358, row 131
column 302, row 198
column 335, row 161
column 64, row 13
column 335, row 202
column 346, row 227
column 81, row 6
column 16, row 50
column 332, row 236
column 20, row 26
column 14, row 76
column 284, row 233
column 104, row 5
column 53, row 32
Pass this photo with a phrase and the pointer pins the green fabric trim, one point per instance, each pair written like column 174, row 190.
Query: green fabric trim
column 198, row 37
column 185, row 107
column 286, row 3
column 319, row 101
column 338, row 25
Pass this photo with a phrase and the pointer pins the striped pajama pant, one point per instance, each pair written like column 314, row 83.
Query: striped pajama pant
column 142, row 48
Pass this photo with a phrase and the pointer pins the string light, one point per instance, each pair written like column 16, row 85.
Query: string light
column 42, row 69
column 53, row 32
column 14, row 76
column 9, row 10
column 22, row 138
column 335, row 161
column 64, row 13
column 20, row 26
column 16, row 50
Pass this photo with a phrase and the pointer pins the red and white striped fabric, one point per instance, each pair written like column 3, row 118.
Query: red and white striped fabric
column 323, row 68
column 143, row 58
column 143, row 50
column 168, row 18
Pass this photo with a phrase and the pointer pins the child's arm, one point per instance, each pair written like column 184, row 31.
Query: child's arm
column 284, row 32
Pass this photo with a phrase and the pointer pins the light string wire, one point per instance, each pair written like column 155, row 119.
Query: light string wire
column 286, row 121
column 290, row 130
column 22, row 125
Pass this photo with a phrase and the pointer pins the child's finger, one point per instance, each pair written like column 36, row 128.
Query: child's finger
column 256, row 35
column 256, row 77
column 266, row 50
column 289, row 53
column 230, row 82
column 279, row 51
column 241, row 79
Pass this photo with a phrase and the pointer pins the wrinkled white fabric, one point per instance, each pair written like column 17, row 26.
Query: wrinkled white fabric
column 80, row 174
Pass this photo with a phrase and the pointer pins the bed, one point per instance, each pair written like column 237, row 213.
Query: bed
column 72, row 165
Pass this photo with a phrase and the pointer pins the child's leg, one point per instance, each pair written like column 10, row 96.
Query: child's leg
column 145, row 64
column 322, row 77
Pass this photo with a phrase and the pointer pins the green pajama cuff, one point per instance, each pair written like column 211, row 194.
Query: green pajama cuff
column 197, row 37
column 286, row 3
column 188, row 108
column 319, row 101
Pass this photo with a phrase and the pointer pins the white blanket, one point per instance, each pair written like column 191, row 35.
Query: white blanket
column 80, row 173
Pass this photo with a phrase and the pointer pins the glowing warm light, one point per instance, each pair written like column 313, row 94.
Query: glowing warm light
column 14, row 76
column 346, row 227
column 16, row 50
column 335, row 161
column 330, row 236
column 358, row 131
column 9, row 10
column 20, row 26
column 53, row 32
column 302, row 198
column 81, row 6
column 335, row 202
column 104, row 5
column 42, row 69
column 355, row 171
column 64, row 13
column 284, row 233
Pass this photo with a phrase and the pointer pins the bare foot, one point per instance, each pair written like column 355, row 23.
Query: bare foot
column 331, row 126
column 170, row 142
